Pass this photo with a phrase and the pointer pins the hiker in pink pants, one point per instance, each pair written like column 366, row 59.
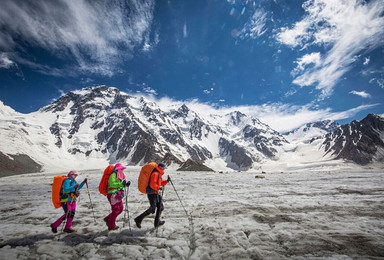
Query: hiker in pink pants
column 70, row 190
column 116, row 184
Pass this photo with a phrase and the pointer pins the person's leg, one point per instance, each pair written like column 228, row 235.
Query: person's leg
column 60, row 220
column 107, row 217
column 152, row 198
column 71, row 215
column 159, row 210
column 116, row 208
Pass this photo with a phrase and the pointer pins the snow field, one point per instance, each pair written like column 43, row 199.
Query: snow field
column 306, row 215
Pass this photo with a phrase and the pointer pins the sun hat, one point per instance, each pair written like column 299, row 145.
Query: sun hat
column 73, row 172
column 119, row 166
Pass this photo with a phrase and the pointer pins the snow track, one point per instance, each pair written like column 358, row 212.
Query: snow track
column 326, row 215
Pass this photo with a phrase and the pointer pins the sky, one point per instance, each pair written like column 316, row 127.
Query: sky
column 287, row 62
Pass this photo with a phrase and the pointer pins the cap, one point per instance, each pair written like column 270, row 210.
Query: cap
column 73, row 172
column 119, row 166
column 162, row 165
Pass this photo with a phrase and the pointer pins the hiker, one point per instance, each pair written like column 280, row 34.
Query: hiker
column 69, row 192
column 116, row 184
column 155, row 183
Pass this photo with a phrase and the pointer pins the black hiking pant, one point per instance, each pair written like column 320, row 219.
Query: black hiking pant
column 156, row 205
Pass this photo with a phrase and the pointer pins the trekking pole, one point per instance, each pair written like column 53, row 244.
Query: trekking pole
column 66, row 215
column 179, row 198
column 126, row 208
column 65, row 220
column 157, row 210
column 89, row 195
column 192, row 239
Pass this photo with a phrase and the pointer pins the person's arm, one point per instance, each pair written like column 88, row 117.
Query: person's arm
column 165, row 182
column 81, row 185
column 154, row 183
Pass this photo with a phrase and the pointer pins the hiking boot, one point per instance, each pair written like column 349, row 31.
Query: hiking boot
column 161, row 222
column 54, row 230
column 138, row 222
column 69, row 230
column 114, row 228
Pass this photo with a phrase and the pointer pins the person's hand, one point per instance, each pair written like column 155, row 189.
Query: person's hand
column 126, row 183
column 76, row 186
column 85, row 180
column 169, row 178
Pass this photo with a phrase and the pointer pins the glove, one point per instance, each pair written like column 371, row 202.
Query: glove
column 169, row 178
column 126, row 183
column 76, row 186
column 85, row 180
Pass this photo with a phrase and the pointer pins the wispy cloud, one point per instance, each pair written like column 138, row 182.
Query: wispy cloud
column 256, row 26
column 280, row 117
column 96, row 35
column 345, row 27
column 5, row 62
column 362, row 94
column 149, row 90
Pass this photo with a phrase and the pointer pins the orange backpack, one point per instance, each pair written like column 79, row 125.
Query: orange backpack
column 144, row 176
column 56, row 189
column 103, row 186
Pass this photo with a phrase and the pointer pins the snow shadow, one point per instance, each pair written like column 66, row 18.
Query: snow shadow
column 26, row 241
column 107, row 237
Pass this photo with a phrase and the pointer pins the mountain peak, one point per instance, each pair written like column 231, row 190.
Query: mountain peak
column 104, row 125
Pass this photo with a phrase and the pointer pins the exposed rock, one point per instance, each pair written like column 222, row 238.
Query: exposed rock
column 191, row 165
column 358, row 141
column 235, row 154
column 17, row 164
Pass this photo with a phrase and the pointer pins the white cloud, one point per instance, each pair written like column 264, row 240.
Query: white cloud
column 362, row 94
column 280, row 117
column 5, row 62
column 286, row 117
column 149, row 90
column 308, row 59
column 256, row 27
column 98, row 36
column 347, row 26
column 366, row 61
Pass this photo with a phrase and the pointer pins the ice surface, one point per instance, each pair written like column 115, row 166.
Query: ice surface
column 296, row 215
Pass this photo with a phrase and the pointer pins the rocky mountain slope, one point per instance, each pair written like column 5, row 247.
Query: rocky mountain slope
column 99, row 125
column 360, row 141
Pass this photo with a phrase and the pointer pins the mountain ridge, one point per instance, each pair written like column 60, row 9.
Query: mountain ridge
column 100, row 125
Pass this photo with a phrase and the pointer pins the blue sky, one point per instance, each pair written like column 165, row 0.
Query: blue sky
column 290, row 62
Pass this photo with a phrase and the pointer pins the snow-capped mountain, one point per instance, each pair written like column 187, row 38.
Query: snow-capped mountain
column 95, row 126
column 100, row 125
column 360, row 141
column 311, row 131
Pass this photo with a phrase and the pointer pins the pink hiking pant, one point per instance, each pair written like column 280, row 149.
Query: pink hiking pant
column 116, row 210
column 68, row 206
